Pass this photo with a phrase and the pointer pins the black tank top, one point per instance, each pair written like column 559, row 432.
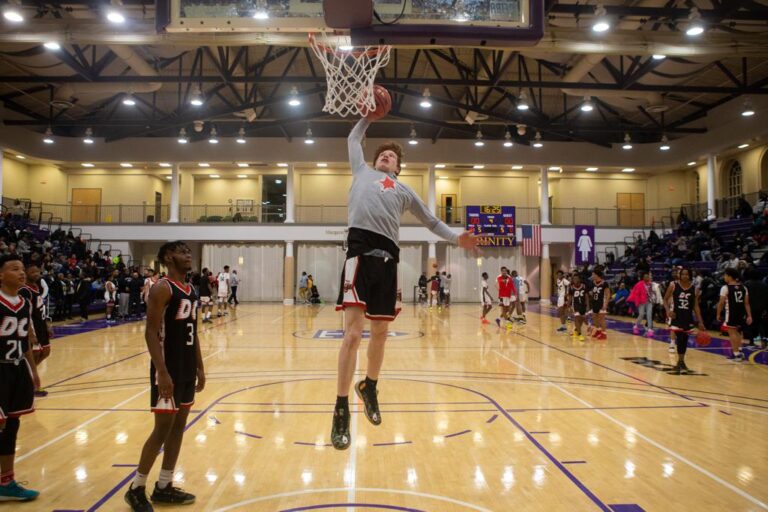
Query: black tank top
column 14, row 328
column 683, row 303
column 579, row 297
column 34, row 297
column 178, row 333
column 735, row 306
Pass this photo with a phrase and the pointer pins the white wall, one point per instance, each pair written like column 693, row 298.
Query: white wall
column 259, row 266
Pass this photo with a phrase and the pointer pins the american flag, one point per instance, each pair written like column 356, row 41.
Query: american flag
column 531, row 239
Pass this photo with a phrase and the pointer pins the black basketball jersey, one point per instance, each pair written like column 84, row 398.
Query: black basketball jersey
column 597, row 294
column 178, row 332
column 579, row 295
column 34, row 295
column 15, row 317
column 683, row 300
column 735, row 309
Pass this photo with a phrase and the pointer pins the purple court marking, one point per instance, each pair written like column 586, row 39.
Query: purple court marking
column 353, row 505
column 125, row 465
column 393, row 443
column 69, row 510
column 457, row 434
column 619, row 407
column 539, row 432
column 96, row 369
column 112, row 492
column 492, row 418
column 331, row 404
column 578, row 483
column 626, row 508
column 248, row 435
column 573, row 461
column 351, row 411
column 303, row 443
column 727, row 413
column 215, row 420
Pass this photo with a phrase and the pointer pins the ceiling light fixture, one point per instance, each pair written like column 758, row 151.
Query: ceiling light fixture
column 695, row 26
column 21, row 157
column 691, row 164
column 601, row 23
column 554, row 168
column 88, row 139
column 591, row 169
column 282, row 164
column 129, row 100
column 743, row 146
column 87, row 165
column 517, row 167
column 115, row 17
column 48, row 137
column 425, row 101
column 439, row 166
column 242, row 175
column 747, row 110
column 241, row 136
column 261, row 11
column 182, row 137
column 52, row 45
column 522, row 101
column 508, row 140
column 309, row 139
column 627, row 142
column 278, row 182
column 628, row 169
column 126, row 165
column 203, row 164
column 164, row 164
column 213, row 138
column 587, row 105
column 413, row 141
column 478, row 166
column 479, row 139
column 242, row 164
column 214, row 176
column 13, row 15
column 196, row 99
column 658, row 56
column 322, row 164
column 294, row 100
column 537, row 141
column 664, row 143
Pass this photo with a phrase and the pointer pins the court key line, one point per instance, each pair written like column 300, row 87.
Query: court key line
column 661, row 447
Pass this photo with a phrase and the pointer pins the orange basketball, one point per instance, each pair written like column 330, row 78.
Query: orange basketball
column 383, row 103
column 703, row 339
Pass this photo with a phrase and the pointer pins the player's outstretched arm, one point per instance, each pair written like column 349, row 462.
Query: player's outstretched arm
column 355, row 145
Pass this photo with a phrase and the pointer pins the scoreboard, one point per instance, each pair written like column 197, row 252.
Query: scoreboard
column 494, row 225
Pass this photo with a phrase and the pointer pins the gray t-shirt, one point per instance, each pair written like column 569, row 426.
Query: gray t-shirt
column 234, row 280
column 377, row 200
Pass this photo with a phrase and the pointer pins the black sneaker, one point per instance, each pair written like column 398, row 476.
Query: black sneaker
column 136, row 498
column 340, row 437
column 684, row 370
column 677, row 370
column 171, row 496
column 370, row 401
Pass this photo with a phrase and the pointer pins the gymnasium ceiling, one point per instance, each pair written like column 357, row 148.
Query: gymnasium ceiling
column 246, row 87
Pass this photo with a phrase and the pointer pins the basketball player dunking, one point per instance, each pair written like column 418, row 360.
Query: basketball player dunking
column 369, row 278
column 176, row 373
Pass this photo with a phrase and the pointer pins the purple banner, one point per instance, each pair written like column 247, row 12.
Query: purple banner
column 584, row 240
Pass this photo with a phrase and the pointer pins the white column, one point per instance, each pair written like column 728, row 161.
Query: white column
column 432, row 254
column 290, row 201
column 174, row 214
column 288, row 275
column 431, row 197
column 431, row 258
column 545, row 251
column 544, row 201
column 545, row 275
column 711, row 186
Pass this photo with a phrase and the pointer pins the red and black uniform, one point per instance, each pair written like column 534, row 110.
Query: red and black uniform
column 579, row 299
column 597, row 296
column 178, row 337
column 34, row 296
column 17, row 387
column 683, row 300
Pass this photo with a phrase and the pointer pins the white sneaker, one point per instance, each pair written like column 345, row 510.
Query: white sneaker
column 672, row 347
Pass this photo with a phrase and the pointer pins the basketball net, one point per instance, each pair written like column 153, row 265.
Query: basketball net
column 350, row 74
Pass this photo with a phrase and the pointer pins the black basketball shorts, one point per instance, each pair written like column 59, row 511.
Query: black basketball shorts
column 370, row 282
column 183, row 397
column 17, row 389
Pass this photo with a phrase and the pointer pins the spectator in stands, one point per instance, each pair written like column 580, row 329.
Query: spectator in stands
column 134, row 289
column 683, row 222
column 644, row 265
column 642, row 297
column 18, row 210
column 762, row 203
column 84, row 294
column 57, row 296
column 743, row 208
column 618, row 303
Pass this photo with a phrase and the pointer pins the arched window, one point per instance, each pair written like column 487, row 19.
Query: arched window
column 734, row 180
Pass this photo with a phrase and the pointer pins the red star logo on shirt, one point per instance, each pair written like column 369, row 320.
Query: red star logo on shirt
column 387, row 183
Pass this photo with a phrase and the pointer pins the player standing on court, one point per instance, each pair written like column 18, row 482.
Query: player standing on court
column 206, row 306
column 681, row 302
column 32, row 292
column 562, row 308
column 577, row 300
column 18, row 372
column 369, row 278
column 734, row 297
column 486, row 299
column 522, row 287
column 600, row 294
column 176, row 373
column 223, row 291
column 507, row 296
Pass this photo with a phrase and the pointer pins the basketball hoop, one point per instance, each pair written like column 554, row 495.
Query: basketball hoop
column 350, row 74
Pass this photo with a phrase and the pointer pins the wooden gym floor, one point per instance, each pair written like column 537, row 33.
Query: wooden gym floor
column 474, row 419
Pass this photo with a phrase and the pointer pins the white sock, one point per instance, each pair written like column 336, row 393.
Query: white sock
column 139, row 481
column 166, row 476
